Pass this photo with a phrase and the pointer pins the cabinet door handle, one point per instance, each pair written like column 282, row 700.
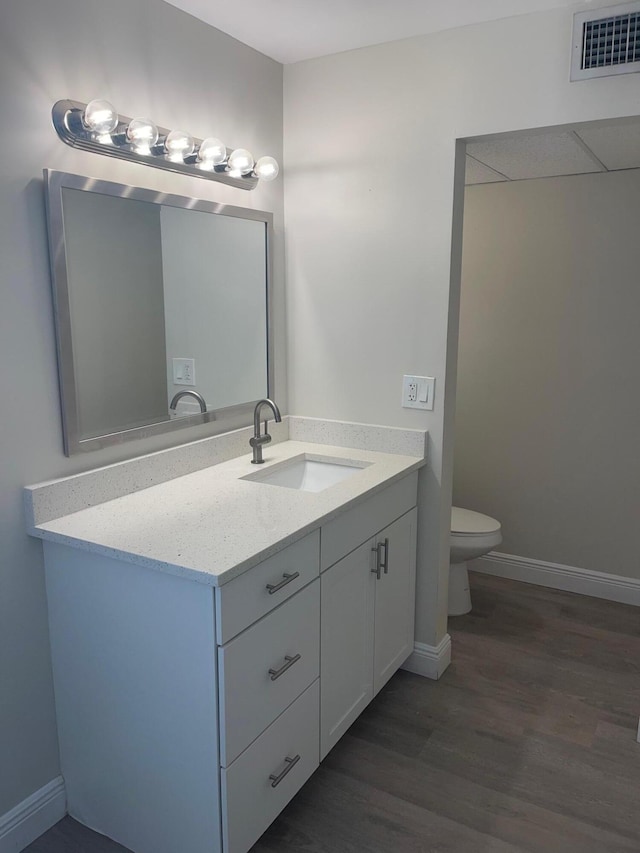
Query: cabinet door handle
column 378, row 568
column 289, row 662
column 275, row 587
column 291, row 763
column 385, row 565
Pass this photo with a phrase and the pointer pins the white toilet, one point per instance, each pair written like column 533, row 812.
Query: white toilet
column 472, row 535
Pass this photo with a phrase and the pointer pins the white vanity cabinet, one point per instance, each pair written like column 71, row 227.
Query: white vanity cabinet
column 269, row 715
column 190, row 714
column 168, row 741
column 134, row 671
column 367, row 624
column 394, row 615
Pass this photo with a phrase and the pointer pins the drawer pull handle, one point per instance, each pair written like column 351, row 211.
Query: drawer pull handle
column 380, row 563
column 289, row 661
column 385, row 565
column 275, row 587
column 378, row 568
column 291, row 763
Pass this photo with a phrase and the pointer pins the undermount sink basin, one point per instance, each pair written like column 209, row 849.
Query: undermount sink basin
column 308, row 473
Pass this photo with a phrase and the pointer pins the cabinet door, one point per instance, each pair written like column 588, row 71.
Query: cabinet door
column 395, row 599
column 346, row 644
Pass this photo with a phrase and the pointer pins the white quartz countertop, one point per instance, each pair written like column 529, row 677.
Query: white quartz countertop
column 211, row 525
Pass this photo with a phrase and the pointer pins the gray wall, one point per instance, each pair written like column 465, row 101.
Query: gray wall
column 549, row 367
column 114, row 270
column 373, row 225
column 147, row 58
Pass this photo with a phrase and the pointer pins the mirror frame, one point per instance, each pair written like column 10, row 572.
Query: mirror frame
column 55, row 182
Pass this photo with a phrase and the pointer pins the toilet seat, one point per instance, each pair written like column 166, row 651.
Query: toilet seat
column 465, row 522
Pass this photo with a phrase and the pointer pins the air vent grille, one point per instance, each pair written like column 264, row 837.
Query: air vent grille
column 605, row 45
column 610, row 41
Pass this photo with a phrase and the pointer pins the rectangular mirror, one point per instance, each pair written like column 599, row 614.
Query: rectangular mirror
column 154, row 295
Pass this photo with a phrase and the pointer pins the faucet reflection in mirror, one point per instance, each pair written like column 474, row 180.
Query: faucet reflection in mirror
column 97, row 127
column 173, row 405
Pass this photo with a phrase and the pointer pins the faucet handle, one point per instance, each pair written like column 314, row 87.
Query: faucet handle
column 259, row 440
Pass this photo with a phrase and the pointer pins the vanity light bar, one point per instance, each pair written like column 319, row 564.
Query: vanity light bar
column 97, row 127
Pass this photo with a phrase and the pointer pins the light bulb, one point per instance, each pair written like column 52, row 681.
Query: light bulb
column 142, row 133
column 240, row 162
column 212, row 152
column 267, row 169
column 178, row 145
column 100, row 116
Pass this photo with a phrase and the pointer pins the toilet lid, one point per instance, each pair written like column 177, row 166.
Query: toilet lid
column 467, row 521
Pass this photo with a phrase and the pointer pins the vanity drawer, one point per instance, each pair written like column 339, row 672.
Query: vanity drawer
column 242, row 601
column 350, row 529
column 252, row 796
column 265, row 668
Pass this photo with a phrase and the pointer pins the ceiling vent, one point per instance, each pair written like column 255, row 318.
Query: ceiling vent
column 606, row 44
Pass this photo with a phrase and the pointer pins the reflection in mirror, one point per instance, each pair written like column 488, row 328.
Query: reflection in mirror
column 154, row 295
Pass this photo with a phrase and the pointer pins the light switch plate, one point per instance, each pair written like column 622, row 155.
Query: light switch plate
column 184, row 371
column 418, row 392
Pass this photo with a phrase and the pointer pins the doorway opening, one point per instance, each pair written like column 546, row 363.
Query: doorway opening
column 549, row 354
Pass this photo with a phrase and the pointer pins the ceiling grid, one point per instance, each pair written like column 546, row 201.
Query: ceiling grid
column 583, row 150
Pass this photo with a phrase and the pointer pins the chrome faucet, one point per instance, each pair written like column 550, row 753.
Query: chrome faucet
column 257, row 440
column 173, row 404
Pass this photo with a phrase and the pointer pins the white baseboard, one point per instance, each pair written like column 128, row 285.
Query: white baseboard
column 429, row 661
column 33, row 816
column 557, row 576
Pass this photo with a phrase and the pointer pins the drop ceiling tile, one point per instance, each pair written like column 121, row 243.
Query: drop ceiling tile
column 618, row 146
column 537, row 156
column 478, row 173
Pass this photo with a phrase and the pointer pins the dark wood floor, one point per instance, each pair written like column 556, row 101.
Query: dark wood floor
column 526, row 744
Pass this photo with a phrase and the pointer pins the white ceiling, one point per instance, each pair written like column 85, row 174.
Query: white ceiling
column 594, row 148
column 293, row 30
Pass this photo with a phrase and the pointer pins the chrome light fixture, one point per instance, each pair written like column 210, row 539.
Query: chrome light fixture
column 97, row 127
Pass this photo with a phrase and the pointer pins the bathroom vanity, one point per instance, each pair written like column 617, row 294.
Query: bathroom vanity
column 213, row 636
column 215, row 626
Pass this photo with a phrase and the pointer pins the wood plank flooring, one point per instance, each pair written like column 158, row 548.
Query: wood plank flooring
column 526, row 744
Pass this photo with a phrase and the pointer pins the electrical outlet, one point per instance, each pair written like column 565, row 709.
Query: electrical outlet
column 418, row 392
column 184, row 371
